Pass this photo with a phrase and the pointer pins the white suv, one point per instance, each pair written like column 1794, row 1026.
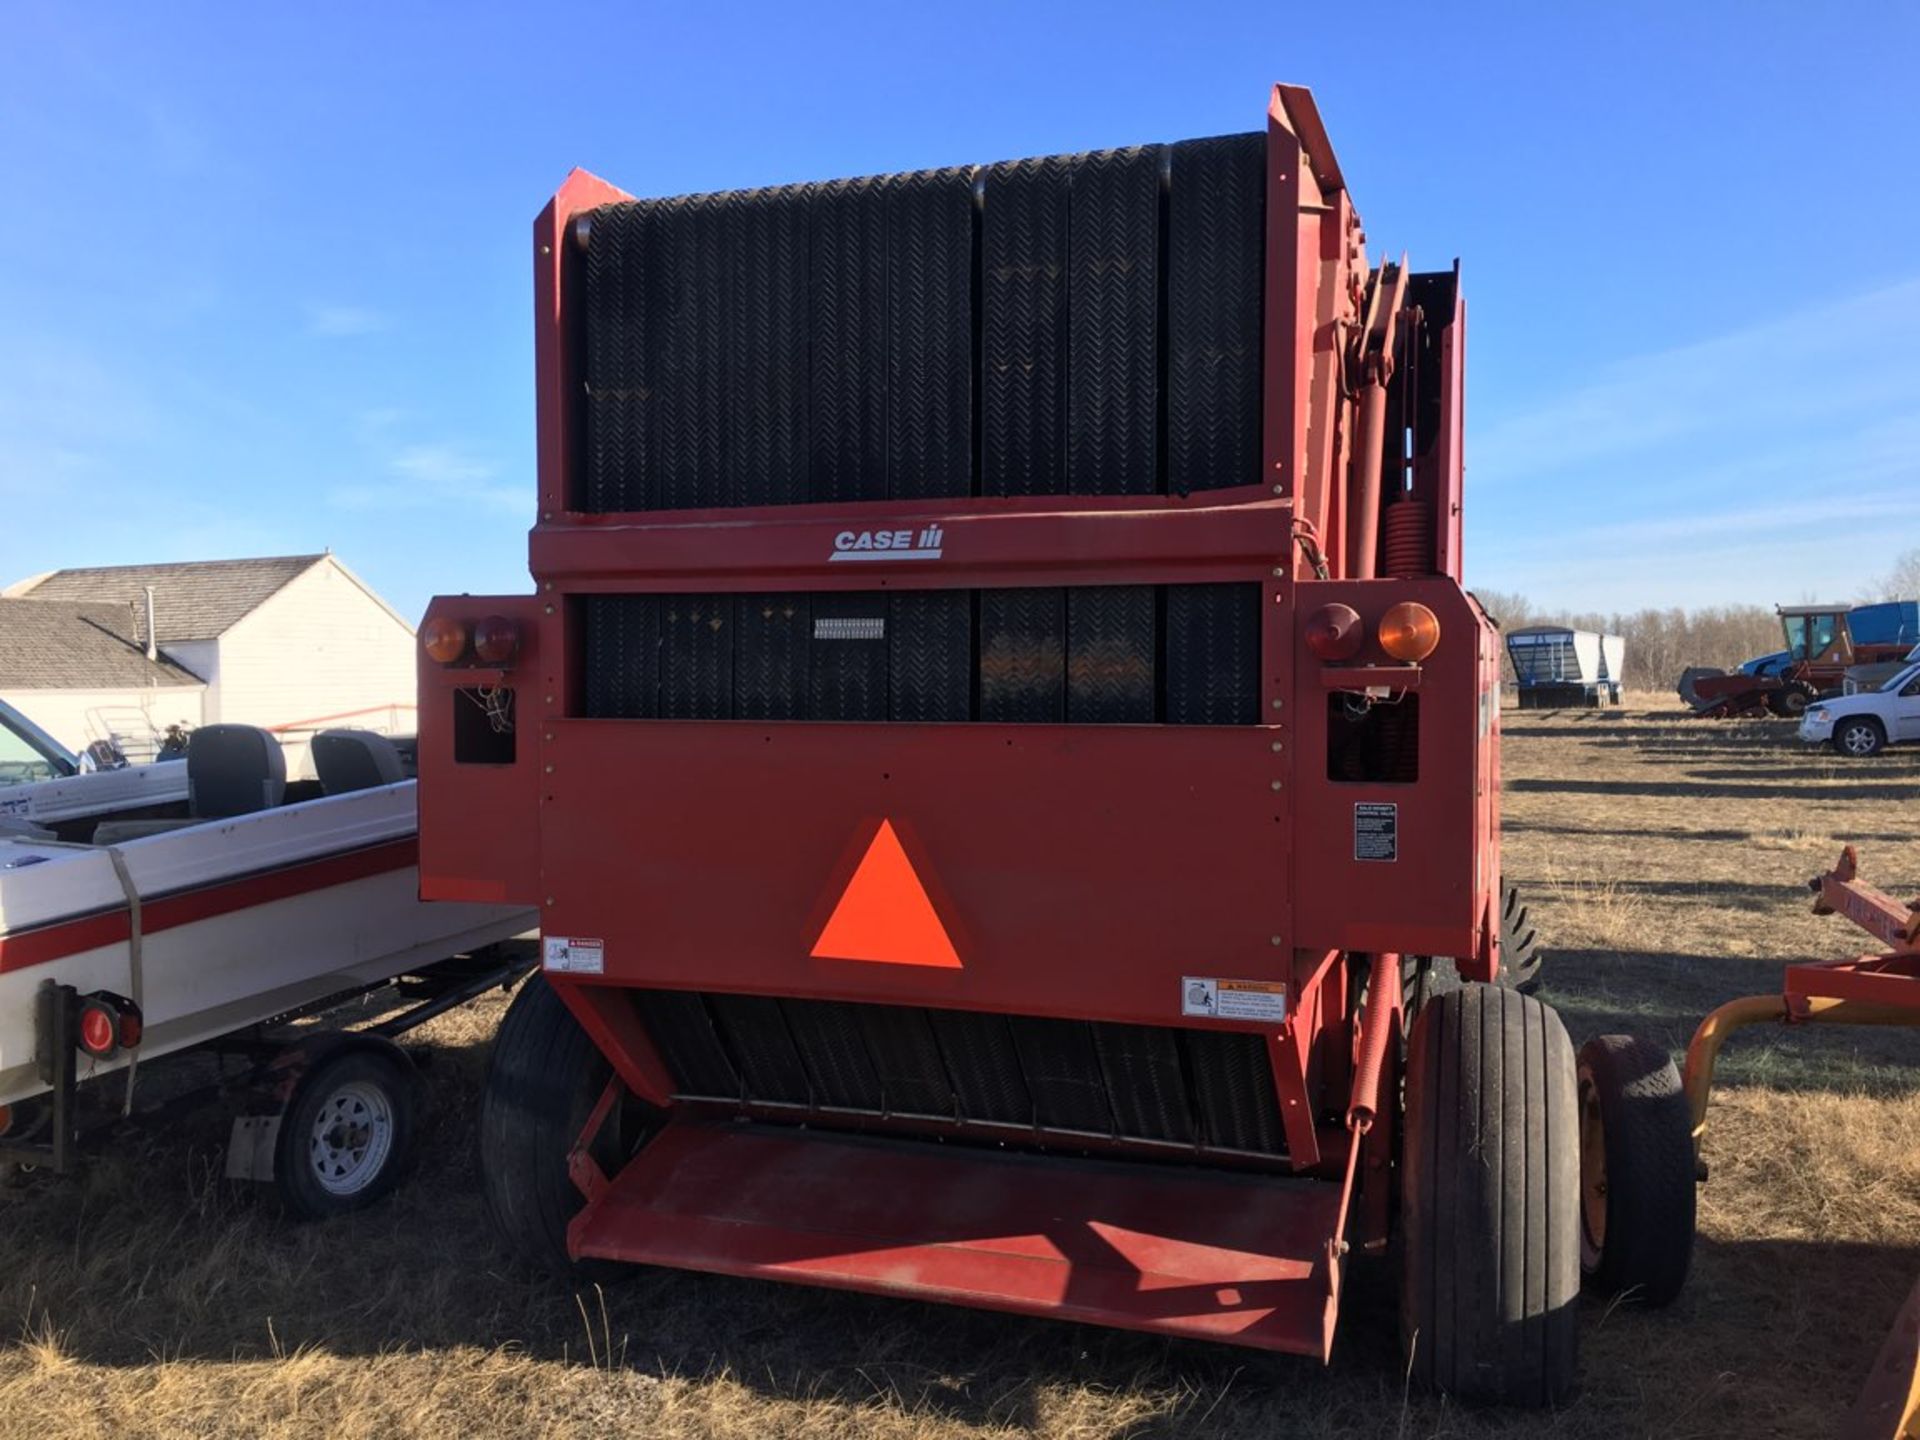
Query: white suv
column 1867, row 722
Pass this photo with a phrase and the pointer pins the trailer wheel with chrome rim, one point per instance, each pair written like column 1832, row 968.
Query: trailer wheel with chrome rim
column 347, row 1131
column 1637, row 1171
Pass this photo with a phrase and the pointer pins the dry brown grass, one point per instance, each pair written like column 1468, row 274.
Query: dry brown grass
column 1666, row 859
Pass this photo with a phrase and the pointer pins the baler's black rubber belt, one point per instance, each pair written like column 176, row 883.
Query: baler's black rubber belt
column 1023, row 323
column 1216, row 248
column 930, row 334
column 1110, row 654
column 1023, row 670
column 847, row 264
column 765, row 323
column 1113, row 323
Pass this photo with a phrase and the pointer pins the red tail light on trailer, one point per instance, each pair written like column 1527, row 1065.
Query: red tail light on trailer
column 109, row 1024
column 1335, row 632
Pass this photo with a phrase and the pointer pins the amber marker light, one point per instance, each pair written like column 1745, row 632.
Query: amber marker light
column 444, row 640
column 1409, row 631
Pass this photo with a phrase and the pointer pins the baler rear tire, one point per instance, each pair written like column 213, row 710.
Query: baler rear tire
column 1636, row 1173
column 1520, row 952
column 1490, row 1176
column 543, row 1080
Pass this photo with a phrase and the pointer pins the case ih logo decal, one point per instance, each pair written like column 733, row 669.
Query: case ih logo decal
column 888, row 544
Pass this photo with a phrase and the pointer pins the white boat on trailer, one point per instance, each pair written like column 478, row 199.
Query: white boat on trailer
column 125, row 941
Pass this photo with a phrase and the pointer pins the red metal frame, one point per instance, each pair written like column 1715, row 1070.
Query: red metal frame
column 707, row 855
column 1891, row 979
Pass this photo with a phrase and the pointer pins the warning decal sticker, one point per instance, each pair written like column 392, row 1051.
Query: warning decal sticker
column 1376, row 831
column 1233, row 999
column 571, row 956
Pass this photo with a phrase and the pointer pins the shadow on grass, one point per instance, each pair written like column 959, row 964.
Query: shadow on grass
column 1689, row 834
column 1812, row 790
column 141, row 1258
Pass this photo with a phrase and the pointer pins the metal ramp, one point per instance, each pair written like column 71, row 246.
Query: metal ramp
column 1176, row 1251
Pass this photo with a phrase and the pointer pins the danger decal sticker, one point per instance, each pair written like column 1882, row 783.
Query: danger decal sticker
column 570, row 955
column 1214, row 999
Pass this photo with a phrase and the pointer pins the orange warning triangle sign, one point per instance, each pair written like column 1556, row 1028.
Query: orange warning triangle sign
column 884, row 914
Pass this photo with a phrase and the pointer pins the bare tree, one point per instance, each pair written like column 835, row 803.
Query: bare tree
column 1660, row 643
column 1902, row 582
column 1509, row 611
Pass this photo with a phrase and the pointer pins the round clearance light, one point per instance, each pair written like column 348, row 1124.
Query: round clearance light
column 1334, row 632
column 444, row 640
column 1409, row 631
column 495, row 639
column 99, row 1029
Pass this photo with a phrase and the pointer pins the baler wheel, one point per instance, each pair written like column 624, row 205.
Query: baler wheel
column 1636, row 1171
column 1520, row 953
column 543, row 1080
column 1490, row 1267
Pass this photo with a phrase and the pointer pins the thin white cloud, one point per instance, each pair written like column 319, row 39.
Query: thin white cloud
column 379, row 420
column 1775, row 461
column 1848, row 360
column 433, row 474
column 343, row 322
column 443, row 467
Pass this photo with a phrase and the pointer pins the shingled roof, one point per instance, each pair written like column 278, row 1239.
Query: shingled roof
column 58, row 645
column 194, row 600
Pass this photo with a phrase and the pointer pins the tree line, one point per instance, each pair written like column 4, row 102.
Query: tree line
column 1662, row 643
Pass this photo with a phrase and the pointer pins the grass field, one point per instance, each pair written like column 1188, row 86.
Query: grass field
column 1666, row 861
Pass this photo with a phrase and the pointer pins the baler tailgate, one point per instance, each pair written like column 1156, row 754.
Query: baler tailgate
column 1175, row 1251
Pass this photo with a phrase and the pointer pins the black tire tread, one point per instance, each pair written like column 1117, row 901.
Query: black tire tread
column 542, row 1081
column 1520, row 954
column 1491, row 1262
column 1782, row 706
column 1650, row 1170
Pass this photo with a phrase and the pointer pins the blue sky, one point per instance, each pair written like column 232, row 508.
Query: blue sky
column 264, row 284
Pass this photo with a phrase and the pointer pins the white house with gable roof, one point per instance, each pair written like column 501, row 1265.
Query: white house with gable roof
column 294, row 643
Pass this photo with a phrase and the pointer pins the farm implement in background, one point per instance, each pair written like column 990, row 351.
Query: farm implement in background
column 1823, row 643
column 1874, row 989
column 1556, row 666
